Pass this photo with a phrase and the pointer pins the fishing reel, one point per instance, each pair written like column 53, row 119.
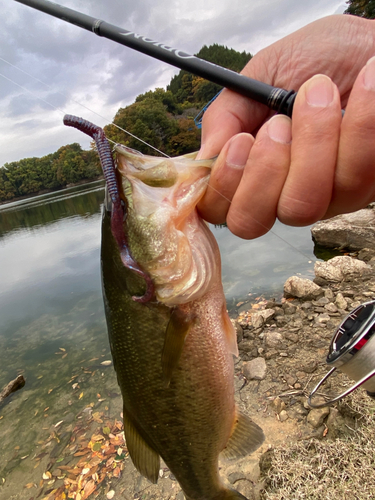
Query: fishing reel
column 352, row 350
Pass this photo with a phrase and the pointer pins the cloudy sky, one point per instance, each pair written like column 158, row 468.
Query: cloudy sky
column 49, row 67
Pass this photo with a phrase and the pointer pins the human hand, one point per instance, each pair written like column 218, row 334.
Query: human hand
column 309, row 168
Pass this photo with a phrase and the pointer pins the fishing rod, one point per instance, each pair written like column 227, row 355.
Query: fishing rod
column 275, row 98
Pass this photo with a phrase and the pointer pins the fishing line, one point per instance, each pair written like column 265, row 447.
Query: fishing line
column 73, row 100
column 135, row 137
column 264, row 226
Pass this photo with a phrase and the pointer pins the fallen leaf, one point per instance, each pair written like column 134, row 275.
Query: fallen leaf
column 89, row 488
column 110, row 494
column 96, row 447
column 49, row 392
column 64, row 355
column 117, row 472
column 80, row 396
column 82, row 452
column 106, row 363
column 30, row 485
column 62, row 349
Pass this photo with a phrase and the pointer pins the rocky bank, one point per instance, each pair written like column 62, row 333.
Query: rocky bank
column 283, row 346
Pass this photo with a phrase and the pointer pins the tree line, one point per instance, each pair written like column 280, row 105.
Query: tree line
column 68, row 165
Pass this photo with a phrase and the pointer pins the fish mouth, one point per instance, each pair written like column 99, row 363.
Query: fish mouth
column 166, row 236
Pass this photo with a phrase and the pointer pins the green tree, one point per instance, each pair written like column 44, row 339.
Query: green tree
column 187, row 140
column 69, row 164
column 193, row 90
column 148, row 119
column 361, row 8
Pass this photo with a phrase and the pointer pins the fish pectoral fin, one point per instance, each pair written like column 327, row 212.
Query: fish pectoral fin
column 230, row 332
column 145, row 459
column 178, row 327
column 246, row 437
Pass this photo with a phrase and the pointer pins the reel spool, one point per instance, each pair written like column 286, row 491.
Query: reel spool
column 352, row 350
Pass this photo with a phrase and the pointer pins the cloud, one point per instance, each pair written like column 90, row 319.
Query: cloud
column 56, row 65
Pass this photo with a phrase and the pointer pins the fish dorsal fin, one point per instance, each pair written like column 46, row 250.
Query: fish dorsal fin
column 230, row 331
column 178, row 327
column 144, row 458
column 246, row 437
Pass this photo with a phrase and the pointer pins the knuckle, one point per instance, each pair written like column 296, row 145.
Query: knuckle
column 245, row 226
column 299, row 212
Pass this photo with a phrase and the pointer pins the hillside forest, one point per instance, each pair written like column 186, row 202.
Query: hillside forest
column 163, row 118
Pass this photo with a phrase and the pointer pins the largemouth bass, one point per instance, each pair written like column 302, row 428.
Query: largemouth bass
column 171, row 338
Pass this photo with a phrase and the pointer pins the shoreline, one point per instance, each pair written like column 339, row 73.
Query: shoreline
column 46, row 191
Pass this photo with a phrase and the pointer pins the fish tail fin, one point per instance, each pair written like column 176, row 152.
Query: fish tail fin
column 229, row 494
column 246, row 437
column 225, row 494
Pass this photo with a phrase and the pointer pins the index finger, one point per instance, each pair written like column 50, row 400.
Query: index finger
column 229, row 115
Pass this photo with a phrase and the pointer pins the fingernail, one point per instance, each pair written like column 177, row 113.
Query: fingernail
column 319, row 91
column 279, row 129
column 369, row 76
column 238, row 152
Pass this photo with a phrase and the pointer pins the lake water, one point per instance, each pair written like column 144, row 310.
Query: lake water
column 52, row 326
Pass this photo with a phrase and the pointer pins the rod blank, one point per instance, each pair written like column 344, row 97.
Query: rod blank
column 275, row 98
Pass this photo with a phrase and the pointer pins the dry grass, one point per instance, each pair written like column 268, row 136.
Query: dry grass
column 329, row 469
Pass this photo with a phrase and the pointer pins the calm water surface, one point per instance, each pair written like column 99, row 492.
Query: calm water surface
column 52, row 326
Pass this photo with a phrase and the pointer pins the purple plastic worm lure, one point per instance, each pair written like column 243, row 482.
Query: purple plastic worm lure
column 118, row 209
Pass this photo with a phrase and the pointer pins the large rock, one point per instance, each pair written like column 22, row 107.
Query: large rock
column 255, row 369
column 339, row 268
column 259, row 318
column 302, row 288
column 352, row 231
column 317, row 415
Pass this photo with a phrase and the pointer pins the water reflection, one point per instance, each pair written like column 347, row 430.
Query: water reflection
column 261, row 266
column 81, row 201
